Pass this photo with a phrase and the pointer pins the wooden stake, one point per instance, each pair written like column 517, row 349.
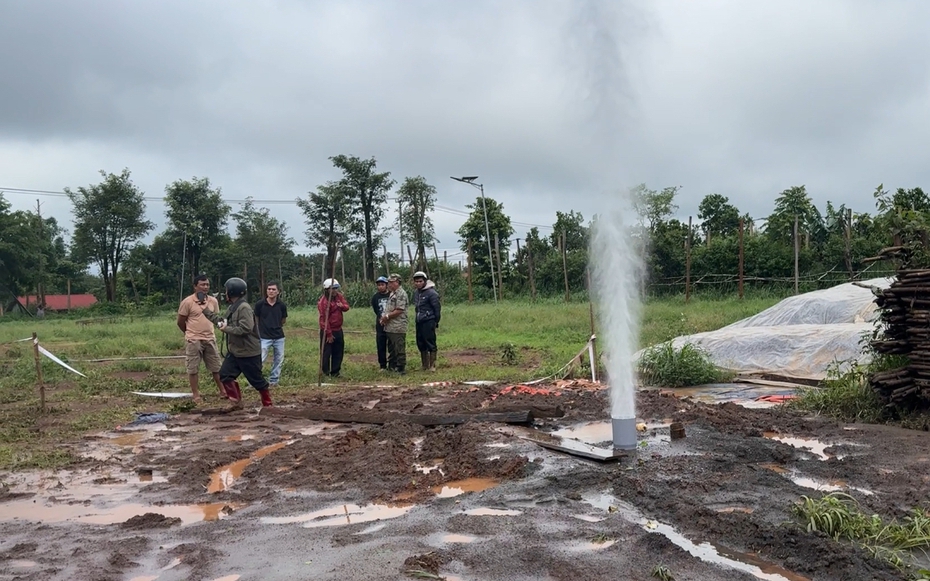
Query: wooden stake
column 740, row 259
column 500, row 272
column 387, row 265
column 796, row 250
column 529, row 258
column 688, row 262
column 471, row 296
column 568, row 296
column 41, row 383
column 69, row 295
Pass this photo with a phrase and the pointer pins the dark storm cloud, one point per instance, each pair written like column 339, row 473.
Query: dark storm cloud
column 554, row 104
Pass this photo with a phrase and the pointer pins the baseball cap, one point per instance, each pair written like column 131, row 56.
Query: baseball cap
column 394, row 277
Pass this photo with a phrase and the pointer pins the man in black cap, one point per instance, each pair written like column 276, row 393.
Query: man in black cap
column 394, row 320
column 379, row 302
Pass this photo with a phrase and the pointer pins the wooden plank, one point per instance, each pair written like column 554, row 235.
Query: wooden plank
column 366, row 417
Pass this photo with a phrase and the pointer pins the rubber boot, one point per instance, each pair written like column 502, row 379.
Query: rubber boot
column 233, row 393
column 432, row 361
column 266, row 397
column 424, row 360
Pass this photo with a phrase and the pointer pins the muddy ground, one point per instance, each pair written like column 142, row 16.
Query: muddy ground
column 250, row 495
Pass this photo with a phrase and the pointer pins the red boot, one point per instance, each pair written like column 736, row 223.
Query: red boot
column 266, row 397
column 232, row 391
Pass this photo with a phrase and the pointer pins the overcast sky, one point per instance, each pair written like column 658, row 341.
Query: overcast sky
column 556, row 105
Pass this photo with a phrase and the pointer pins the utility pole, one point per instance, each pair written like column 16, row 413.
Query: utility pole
column 40, row 282
column 470, row 180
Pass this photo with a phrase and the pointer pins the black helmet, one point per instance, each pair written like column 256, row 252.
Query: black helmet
column 235, row 287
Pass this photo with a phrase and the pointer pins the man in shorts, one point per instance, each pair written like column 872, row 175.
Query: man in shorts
column 199, row 339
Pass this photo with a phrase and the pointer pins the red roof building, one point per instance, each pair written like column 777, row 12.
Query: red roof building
column 61, row 302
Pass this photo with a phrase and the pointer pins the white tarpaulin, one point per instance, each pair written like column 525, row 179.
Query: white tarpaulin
column 801, row 336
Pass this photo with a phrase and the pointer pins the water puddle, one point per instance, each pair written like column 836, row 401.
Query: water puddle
column 453, row 538
column 707, row 552
column 497, row 445
column 589, row 517
column 492, row 512
column 371, row 529
column 224, row 476
column 240, row 437
column 228, row 578
column 428, row 469
column 815, row 447
column 321, row 427
column 174, row 563
column 22, row 564
column 593, row 545
column 145, row 578
column 28, row 510
column 344, row 514
column 590, row 432
column 128, row 439
column 459, row 487
column 813, row 483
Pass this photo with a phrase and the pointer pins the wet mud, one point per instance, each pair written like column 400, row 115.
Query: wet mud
column 252, row 496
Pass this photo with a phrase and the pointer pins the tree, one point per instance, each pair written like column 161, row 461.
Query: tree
column 719, row 216
column 199, row 213
column 18, row 254
column 572, row 226
column 473, row 229
column 366, row 193
column 108, row 218
column 330, row 221
column 417, row 199
column 653, row 206
column 794, row 203
column 261, row 240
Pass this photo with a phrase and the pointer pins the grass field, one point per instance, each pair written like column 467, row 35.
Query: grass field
column 512, row 341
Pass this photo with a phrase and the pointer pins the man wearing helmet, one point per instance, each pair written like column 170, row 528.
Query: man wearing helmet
column 428, row 312
column 243, row 346
column 332, row 341
column 379, row 303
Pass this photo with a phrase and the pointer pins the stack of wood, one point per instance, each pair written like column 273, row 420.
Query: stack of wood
column 906, row 316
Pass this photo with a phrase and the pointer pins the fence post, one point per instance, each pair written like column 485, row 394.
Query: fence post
column 848, row 246
column 387, row 265
column 741, row 259
column 35, row 351
column 471, row 296
column 500, row 273
column 568, row 296
column 69, row 295
column 796, row 250
column 688, row 262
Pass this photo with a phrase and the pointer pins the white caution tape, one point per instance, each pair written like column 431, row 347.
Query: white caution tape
column 45, row 352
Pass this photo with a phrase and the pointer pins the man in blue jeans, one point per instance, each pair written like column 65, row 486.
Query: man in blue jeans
column 271, row 314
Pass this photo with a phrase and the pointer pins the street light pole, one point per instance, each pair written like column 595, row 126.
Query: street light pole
column 487, row 230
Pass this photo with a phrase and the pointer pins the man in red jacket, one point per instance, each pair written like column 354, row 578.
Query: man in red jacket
column 332, row 342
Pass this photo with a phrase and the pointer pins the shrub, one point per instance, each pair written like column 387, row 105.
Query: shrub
column 667, row 366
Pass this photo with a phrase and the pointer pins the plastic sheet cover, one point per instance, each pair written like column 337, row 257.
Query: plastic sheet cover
column 800, row 337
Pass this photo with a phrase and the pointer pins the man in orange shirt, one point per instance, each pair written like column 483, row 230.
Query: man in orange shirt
column 200, row 342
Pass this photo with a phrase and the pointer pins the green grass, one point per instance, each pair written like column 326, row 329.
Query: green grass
column 510, row 342
column 667, row 366
column 838, row 515
column 845, row 395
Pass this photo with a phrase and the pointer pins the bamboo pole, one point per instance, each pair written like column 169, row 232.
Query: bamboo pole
column 471, row 296
column 529, row 257
column 41, row 383
column 688, row 262
column 740, row 259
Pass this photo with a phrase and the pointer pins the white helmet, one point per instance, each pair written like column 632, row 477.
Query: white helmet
column 331, row 283
column 420, row 274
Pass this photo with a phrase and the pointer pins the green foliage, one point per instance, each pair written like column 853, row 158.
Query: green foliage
column 199, row 212
column 652, row 206
column 839, row 516
column 721, row 218
column 667, row 366
column 417, row 199
column 845, row 395
column 474, row 230
column 509, row 354
column 663, row 573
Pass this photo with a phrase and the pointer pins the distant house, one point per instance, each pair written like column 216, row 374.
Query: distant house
column 61, row 302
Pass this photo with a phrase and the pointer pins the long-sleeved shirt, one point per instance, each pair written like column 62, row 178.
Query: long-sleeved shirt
column 379, row 302
column 337, row 305
column 240, row 330
column 426, row 303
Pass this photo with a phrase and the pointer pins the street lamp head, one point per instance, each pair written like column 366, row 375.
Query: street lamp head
column 466, row 179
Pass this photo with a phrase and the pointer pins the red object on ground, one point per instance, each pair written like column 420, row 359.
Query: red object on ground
column 777, row 398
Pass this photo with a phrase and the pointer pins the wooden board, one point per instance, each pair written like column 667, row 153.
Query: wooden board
column 367, row 417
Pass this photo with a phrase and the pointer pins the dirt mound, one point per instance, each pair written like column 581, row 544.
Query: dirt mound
column 417, row 565
column 150, row 520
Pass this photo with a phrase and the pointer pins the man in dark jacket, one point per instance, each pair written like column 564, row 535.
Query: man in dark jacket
column 243, row 346
column 332, row 340
column 379, row 303
column 428, row 313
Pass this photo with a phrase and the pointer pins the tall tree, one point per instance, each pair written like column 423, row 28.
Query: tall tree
column 791, row 203
column 18, row 253
column 261, row 240
column 572, row 225
column 199, row 213
column 330, row 220
column 417, row 199
column 367, row 193
column 108, row 218
column 719, row 216
column 653, row 206
column 473, row 229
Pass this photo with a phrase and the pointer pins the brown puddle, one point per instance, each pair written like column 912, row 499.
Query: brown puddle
column 459, row 487
column 224, row 476
column 128, row 439
column 811, row 445
column 812, row 483
column 240, row 437
column 27, row 510
column 344, row 514
column 492, row 512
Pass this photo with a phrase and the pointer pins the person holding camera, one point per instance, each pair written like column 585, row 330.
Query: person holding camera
column 199, row 339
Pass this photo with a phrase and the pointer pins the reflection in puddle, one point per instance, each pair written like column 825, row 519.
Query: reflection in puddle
column 343, row 514
column 319, row 428
column 145, row 578
column 593, row 545
column 704, row 551
column 27, row 510
column 224, row 476
column 459, row 487
column 371, row 529
column 427, row 469
column 815, row 447
column 240, row 437
column 497, row 445
column 492, row 512
column 590, row 432
column 453, row 538
column 174, row 563
column 22, row 563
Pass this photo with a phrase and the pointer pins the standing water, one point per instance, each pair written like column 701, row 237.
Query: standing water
column 617, row 270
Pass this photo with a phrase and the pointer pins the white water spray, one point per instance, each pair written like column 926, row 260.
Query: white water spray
column 617, row 272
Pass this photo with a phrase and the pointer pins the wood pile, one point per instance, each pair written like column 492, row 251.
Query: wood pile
column 906, row 316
